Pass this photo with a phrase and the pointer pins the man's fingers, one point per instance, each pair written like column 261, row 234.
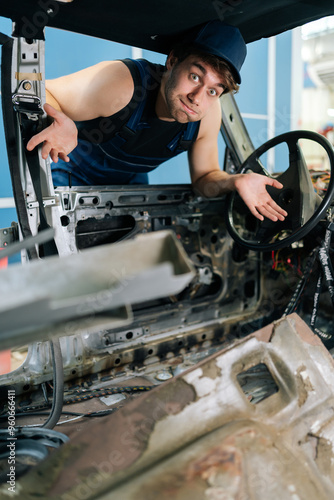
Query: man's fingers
column 278, row 212
column 276, row 184
column 270, row 215
column 54, row 155
column 256, row 213
column 46, row 148
column 277, row 209
column 34, row 141
column 64, row 157
column 272, row 212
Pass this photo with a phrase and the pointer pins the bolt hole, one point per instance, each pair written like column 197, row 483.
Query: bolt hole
column 64, row 220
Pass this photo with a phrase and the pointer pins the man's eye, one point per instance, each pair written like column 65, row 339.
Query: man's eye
column 212, row 92
column 194, row 77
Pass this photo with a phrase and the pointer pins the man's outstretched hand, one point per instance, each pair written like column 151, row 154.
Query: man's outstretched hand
column 58, row 139
column 252, row 189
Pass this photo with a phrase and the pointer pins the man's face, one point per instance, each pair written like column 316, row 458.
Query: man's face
column 191, row 88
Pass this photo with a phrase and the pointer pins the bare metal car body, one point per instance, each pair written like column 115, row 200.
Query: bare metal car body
column 230, row 413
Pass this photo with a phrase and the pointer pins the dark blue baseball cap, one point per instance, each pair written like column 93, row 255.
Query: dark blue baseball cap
column 224, row 41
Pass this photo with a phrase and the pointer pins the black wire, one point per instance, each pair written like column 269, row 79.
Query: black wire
column 58, row 383
column 294, row 301
column 327, row 265
column 316, row 300
column 326, row 272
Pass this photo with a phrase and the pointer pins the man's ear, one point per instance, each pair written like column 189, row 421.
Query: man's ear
column 171, row 60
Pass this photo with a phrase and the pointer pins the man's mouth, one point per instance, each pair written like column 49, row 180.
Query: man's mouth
column 187, row 109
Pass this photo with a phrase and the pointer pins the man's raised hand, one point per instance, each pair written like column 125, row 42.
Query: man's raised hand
column 58, row 139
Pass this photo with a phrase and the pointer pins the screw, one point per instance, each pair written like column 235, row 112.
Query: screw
column 27, row 85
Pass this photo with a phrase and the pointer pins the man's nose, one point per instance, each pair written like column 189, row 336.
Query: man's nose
column 195, row 96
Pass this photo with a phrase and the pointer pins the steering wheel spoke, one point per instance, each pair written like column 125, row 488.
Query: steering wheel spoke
column 304, row 206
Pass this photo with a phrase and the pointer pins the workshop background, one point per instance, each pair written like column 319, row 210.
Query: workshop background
column 287, row 84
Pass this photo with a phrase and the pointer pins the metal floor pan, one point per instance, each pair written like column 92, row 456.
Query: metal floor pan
column 202, row 436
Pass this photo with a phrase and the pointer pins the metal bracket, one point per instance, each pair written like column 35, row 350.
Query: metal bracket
column 47, row 202
column 29, row 105
column 8, row 235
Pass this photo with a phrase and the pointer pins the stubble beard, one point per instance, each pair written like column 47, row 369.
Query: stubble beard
column 174, row 104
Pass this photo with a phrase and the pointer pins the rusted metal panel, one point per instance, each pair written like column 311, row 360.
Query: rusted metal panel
column 200, row 435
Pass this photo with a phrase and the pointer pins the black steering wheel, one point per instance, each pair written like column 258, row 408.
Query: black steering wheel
column 298, row 197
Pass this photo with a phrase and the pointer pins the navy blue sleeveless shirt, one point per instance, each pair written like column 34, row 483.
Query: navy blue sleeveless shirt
column 122, row 148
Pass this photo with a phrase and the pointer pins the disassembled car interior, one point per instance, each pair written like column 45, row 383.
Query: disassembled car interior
column 175, row 346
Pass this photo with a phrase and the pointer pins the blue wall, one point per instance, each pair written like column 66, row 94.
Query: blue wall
column 68, row 52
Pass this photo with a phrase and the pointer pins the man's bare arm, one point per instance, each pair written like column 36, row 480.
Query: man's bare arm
column 100, row 90
column 210, row 181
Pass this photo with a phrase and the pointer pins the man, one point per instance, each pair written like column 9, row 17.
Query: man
column 133, row 115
